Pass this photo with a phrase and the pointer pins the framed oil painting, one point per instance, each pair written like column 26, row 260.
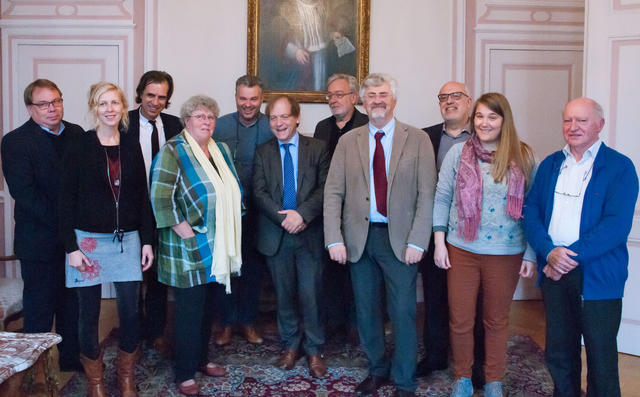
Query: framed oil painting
column 295, row 45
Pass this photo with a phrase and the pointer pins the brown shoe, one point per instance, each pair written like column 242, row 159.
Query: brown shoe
column 225, row 337
column 252, row 335
column 317, row 368
column 125, row 367
column 162, row 346
column 93, row 370
column 288, row 360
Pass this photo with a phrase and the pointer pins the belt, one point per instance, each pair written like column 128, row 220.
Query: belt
column 378, row 224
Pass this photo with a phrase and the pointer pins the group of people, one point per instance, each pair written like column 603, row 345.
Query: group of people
column 145, row 199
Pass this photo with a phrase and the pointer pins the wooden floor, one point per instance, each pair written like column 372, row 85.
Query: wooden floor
column 527, row 318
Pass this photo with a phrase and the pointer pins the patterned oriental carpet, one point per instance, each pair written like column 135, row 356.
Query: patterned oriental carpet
column 250, row 372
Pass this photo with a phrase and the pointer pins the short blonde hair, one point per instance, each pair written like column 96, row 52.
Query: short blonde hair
column 96, row 91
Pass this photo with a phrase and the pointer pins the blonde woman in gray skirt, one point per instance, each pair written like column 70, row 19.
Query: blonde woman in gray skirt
column 107, row 226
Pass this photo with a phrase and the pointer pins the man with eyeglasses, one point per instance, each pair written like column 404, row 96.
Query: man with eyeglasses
column 152, row 127
column 577, row 217
column 455, row 107
column 289, row 176
column 378, row 203
column 243, row 131
column 342, row 96
column 32, row 165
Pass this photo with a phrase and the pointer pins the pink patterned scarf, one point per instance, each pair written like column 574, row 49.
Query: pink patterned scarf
column 469, row 188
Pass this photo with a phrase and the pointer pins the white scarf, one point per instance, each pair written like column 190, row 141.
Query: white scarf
column 227, row 257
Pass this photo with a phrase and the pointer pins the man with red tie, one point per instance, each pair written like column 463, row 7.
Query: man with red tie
column 378, row 202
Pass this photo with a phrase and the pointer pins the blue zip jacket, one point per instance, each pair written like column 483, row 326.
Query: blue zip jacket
column 605, row 221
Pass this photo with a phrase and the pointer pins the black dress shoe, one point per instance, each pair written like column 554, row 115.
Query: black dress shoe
column 404, row 393
column 425, row 369
column 369, row 386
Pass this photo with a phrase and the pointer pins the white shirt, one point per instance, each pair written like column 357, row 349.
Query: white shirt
column 572, row 183
column 145, row 140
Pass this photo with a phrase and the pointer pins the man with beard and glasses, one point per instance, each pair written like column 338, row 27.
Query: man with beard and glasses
column 342, row 96
column 243, row 131
column 455, row 106
column 378, row 202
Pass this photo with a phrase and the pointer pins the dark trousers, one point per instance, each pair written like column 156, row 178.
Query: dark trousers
column 45, row 296
column 338, row 307
column 89, row 299
column 241, row 305
column 569, row 317
column 296, row 270
column 435, row 333
column 379, row 267
column 155, row 305
column 192, row 328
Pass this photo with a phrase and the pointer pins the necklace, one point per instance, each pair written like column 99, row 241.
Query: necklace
column 117, row 233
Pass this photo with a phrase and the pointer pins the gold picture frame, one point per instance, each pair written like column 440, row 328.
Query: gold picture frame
column 286, row 51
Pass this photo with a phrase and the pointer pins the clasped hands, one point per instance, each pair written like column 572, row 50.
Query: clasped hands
column 293, row 222
column 559, row 263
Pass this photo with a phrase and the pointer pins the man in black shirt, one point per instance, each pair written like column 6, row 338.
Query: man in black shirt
column 32, row 162
column 342, row 96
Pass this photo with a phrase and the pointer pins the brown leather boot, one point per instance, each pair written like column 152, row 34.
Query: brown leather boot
column 125, row 365
column 93, row 370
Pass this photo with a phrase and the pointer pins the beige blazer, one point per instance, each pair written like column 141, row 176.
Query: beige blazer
column 410, row 191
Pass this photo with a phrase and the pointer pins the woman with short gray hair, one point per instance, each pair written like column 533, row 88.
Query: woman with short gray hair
column 196, row 199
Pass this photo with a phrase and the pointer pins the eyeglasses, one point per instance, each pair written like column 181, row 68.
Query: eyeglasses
column 572, row 190
column 283, row 117
column 203, row 117
column 45, row 105
column 454, row 95
column 338, row 95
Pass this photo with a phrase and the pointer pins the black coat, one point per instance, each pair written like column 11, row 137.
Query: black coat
column 32, row 166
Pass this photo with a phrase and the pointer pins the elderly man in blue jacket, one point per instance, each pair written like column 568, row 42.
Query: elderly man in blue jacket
column 577, row 217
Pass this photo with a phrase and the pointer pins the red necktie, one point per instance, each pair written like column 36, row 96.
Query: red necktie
column 380, row 176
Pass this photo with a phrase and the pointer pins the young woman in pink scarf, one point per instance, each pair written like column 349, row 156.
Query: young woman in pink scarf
column 478, row 211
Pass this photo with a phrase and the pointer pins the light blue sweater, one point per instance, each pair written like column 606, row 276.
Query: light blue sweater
column 498, row 234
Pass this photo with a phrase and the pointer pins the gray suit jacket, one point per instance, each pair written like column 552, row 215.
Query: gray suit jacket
column 410, row 190
column 313, row 165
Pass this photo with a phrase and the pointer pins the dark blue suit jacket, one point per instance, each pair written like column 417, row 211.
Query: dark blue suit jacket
column 32, row 168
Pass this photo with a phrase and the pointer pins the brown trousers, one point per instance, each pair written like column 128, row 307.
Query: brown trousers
column 497, row 275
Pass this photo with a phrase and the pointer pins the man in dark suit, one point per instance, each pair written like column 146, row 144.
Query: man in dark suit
column 342, row 96
column 243, row 131
column 290, row 171
column 32, row 162
column 455, row 104
column 152, row 129
column 378, row 203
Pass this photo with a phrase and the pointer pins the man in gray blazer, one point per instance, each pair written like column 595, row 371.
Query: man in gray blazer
column 378, row 202
column 288, row 180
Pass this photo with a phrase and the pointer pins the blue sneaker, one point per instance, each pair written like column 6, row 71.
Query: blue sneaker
column 493, row 389
column 462, row 388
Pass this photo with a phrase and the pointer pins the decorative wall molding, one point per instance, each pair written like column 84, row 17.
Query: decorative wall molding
column 625, row 5
column 485, row 46
column 530, row 14
column 506, row 68
column 67, row 9
column 616, row 46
